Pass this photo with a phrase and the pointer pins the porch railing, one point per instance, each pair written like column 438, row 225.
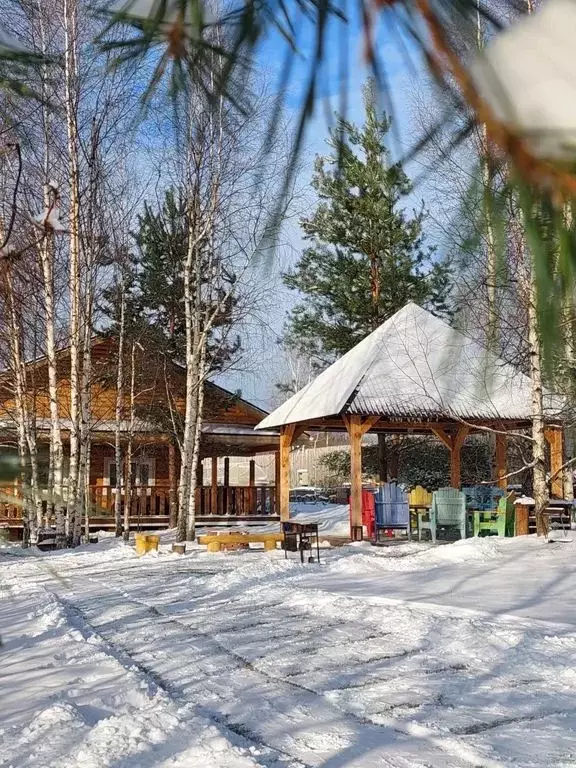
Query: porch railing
column 236, row 500
column 154, row 501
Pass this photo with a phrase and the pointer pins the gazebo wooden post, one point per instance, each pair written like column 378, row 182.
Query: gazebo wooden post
column 455, row 463
column 277, row 482
column 501, row 445
column 287, row 433
column 356, row 428
column 554, row 437
column 454, row 444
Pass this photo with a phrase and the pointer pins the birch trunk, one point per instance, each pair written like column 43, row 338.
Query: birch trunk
column 71, row 86
column 118, row 413
column 540, row 487
column 26, row 439
column 84, row 434
column 191, row 522
column 56, row 450
column 569, row 318
column 491, row 256
column 87, row 497
column 129, row 447
column 192, row 321
column 46, row 253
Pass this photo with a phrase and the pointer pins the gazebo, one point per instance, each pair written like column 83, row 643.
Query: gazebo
column 415, row 374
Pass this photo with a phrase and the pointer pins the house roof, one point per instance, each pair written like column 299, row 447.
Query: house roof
column 102, row 346
column 415, row 367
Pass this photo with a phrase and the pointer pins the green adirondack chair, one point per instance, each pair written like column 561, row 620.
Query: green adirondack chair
column 448, row 510
column 499, row 522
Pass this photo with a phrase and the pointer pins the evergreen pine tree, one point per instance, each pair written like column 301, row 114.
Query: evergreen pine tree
column 162, row 240
column 367, row 256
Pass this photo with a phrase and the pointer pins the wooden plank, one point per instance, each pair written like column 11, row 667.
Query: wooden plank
column 554, row 437
column 226, row 471
column 252, row 472
column 500, row 459
column 354, row 427
column 286, row 437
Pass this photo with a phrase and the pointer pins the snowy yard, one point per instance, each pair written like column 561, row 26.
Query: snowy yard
column 459, row 655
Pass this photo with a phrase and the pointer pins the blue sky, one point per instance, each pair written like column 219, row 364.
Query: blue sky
column 264, row 362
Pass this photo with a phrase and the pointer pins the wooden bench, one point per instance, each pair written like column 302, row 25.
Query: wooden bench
column 218, row 541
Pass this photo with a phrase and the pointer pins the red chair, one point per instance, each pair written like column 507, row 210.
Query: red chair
column 369, row 513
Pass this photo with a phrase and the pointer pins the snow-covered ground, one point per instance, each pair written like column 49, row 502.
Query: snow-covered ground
column 457, row 655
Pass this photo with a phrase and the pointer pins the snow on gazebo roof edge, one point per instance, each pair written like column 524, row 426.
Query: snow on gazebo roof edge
column 416, row 367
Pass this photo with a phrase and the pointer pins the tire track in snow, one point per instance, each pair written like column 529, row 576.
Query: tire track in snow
column 449, row 746
column 128, row 661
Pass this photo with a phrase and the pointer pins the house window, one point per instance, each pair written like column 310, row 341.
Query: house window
column 143, row 472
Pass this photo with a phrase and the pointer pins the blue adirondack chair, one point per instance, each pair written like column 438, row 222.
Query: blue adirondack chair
column 483, row 498
column 392, row 510
column 448, row 511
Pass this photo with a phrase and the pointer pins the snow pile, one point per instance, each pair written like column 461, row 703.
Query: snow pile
column 415, row 555
column 332, row 519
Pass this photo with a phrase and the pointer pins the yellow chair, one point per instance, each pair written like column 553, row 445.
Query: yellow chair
column 419, row 500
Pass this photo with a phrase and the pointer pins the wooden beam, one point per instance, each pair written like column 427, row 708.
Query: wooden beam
column 382, row 425
column 199, row 473
column 442, row 435
column 554, row 437
column 214, row 486
column 252, row 472
column 286, row 437
column 368, row 423
column 500, row 459
column 354, row 427
column 455, row 465
column 226, row 471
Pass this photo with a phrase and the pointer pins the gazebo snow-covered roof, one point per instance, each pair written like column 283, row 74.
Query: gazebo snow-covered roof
column 415, row 367
column 415, row 373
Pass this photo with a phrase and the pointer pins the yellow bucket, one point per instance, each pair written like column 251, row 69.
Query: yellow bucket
column 146, row 542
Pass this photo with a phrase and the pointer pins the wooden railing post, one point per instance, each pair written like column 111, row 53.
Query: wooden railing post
column 173, row 497
column 214, row 487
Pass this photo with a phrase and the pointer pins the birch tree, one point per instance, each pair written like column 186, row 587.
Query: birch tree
column 70, row 12
column 118, row 411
